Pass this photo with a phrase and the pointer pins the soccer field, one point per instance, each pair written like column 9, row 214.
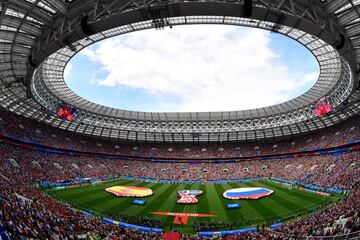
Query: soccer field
column 283, row 203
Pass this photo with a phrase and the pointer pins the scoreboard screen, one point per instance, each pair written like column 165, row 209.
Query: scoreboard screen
column 67, row 112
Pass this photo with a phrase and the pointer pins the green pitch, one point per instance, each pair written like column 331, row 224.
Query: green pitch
column 283, row 203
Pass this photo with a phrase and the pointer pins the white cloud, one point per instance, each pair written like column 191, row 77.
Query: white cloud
column 67, row 71
column 210, row 68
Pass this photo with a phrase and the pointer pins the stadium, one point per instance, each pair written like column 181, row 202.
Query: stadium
column 75, row 168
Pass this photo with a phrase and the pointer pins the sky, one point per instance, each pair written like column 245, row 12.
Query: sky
column 192, row 68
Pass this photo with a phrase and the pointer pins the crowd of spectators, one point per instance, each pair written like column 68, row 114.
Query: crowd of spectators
column 334, row 171
column 341, row 218
column 30, row 130
column 26, row 212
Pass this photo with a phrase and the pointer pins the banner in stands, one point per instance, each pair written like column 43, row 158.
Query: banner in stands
column 229, row 232
column 276, row 225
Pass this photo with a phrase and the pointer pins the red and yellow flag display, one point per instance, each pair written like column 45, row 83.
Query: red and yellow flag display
column 129, row 191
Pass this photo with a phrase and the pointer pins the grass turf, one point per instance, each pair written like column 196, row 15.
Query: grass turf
column 282, row 204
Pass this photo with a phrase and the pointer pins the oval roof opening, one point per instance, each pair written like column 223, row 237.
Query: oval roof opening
column 196, row 68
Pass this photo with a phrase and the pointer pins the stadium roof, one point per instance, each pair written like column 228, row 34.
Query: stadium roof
column 38, row 38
